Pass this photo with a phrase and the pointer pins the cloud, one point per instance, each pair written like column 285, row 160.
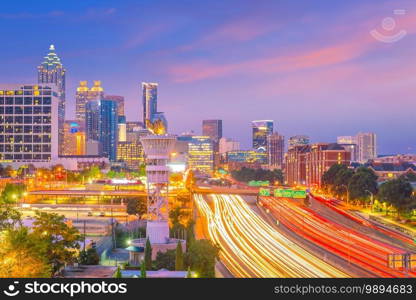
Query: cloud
column 27, row 15
column 340, row 50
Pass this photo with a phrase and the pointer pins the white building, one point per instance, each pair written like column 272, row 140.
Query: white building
column 28, row 123
column 227, row 144
column 367, row 146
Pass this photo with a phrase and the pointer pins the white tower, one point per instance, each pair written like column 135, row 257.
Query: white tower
column 157, row 149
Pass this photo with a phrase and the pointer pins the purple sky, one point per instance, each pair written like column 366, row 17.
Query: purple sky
column 311, row 66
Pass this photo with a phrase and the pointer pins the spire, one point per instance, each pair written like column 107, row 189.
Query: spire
column 51, row 60
column 52, row 47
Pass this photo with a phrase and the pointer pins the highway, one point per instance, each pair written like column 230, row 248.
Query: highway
column 251, row 248
column 349, row 244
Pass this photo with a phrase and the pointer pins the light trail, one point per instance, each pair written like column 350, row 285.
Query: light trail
column 347, row 243
column 252, row 248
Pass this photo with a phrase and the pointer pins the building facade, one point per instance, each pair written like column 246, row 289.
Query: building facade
column 226, row 145
column 74, row 139
column 260, row 130
column 149, row 100
column 305, row 164
column 275, row 150
column 367, row 146
column 102, row 126
column 83, row 95
column 131, row 153
column 51, row 71
column 298, row 140
column 29, row 123
column 200, row 153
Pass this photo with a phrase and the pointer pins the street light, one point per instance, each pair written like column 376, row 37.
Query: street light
column 371, row 199
column 348, row 194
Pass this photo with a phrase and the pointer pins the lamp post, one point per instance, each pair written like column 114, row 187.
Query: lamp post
column 371, row 199
column 348, row 193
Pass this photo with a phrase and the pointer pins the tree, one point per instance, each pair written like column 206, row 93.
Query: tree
column 60, row 238
column 202, row 255
column 22, row 255
column 12, row 192
column 118, row 273
column 148, row 255
column 179, row 265
column 190, row 234
column 341, row 180
column 398, row 192
column 361, row 183
column 137, row 205
column 143, row 270
column 188, row 273
column 328, row 178
column 165, row 260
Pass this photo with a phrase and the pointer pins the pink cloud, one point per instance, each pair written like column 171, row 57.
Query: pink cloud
column 341, row 51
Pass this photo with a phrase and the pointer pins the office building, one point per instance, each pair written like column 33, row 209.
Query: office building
column 120, row 103
column 83, row 95
column 29, row 123
column 353, row 149
column 51, row 71
column 102, row 126
column 200, row 153
column 275, row 150
column 131, row 153
column 227, row 144
column 212, row 128
column 261, row 129
column 367, row 146
column 74, row 139
column 298, row 140
column 305, row 164
column 150, row 113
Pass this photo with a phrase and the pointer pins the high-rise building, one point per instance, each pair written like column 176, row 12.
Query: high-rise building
column 150, row 112
column 51, row 71
column 227, row 144
column 275, row 150
column 261, row 129
column 120, row 103
column 83, row 95
column 74, row 139
column 212, row 128
column 101, row 125
column 29, row 123
column 298, row 140
column 305, row 164
column 200, row 153
column 367, row 146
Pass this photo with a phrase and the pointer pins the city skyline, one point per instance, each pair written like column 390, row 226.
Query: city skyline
column 364, row 87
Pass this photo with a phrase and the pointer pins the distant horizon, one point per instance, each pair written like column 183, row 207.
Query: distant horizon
column 314, row 69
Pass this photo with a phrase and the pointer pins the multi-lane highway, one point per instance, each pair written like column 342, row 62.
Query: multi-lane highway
column 349, row 244
column 250, row 247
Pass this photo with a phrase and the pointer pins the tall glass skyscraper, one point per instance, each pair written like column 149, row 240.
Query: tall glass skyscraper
column 52, row 71
column 150, row 113
column 83, row 95
column 261, row 129
column 213, row 129
column 102, row 125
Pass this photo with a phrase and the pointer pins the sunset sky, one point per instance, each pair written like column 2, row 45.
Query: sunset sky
column 311, row 66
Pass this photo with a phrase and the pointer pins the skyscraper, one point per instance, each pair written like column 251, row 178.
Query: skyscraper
column 150, row 113
column 120, row 103
column 200, row 153
column 261, row 129
column 101, row 125
column 83, row 95
column 212, row 128
column 29, row 123
column 367, row 146
column 275, row 150
column 298, row 140
column 52, row 71
column 226, row 145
